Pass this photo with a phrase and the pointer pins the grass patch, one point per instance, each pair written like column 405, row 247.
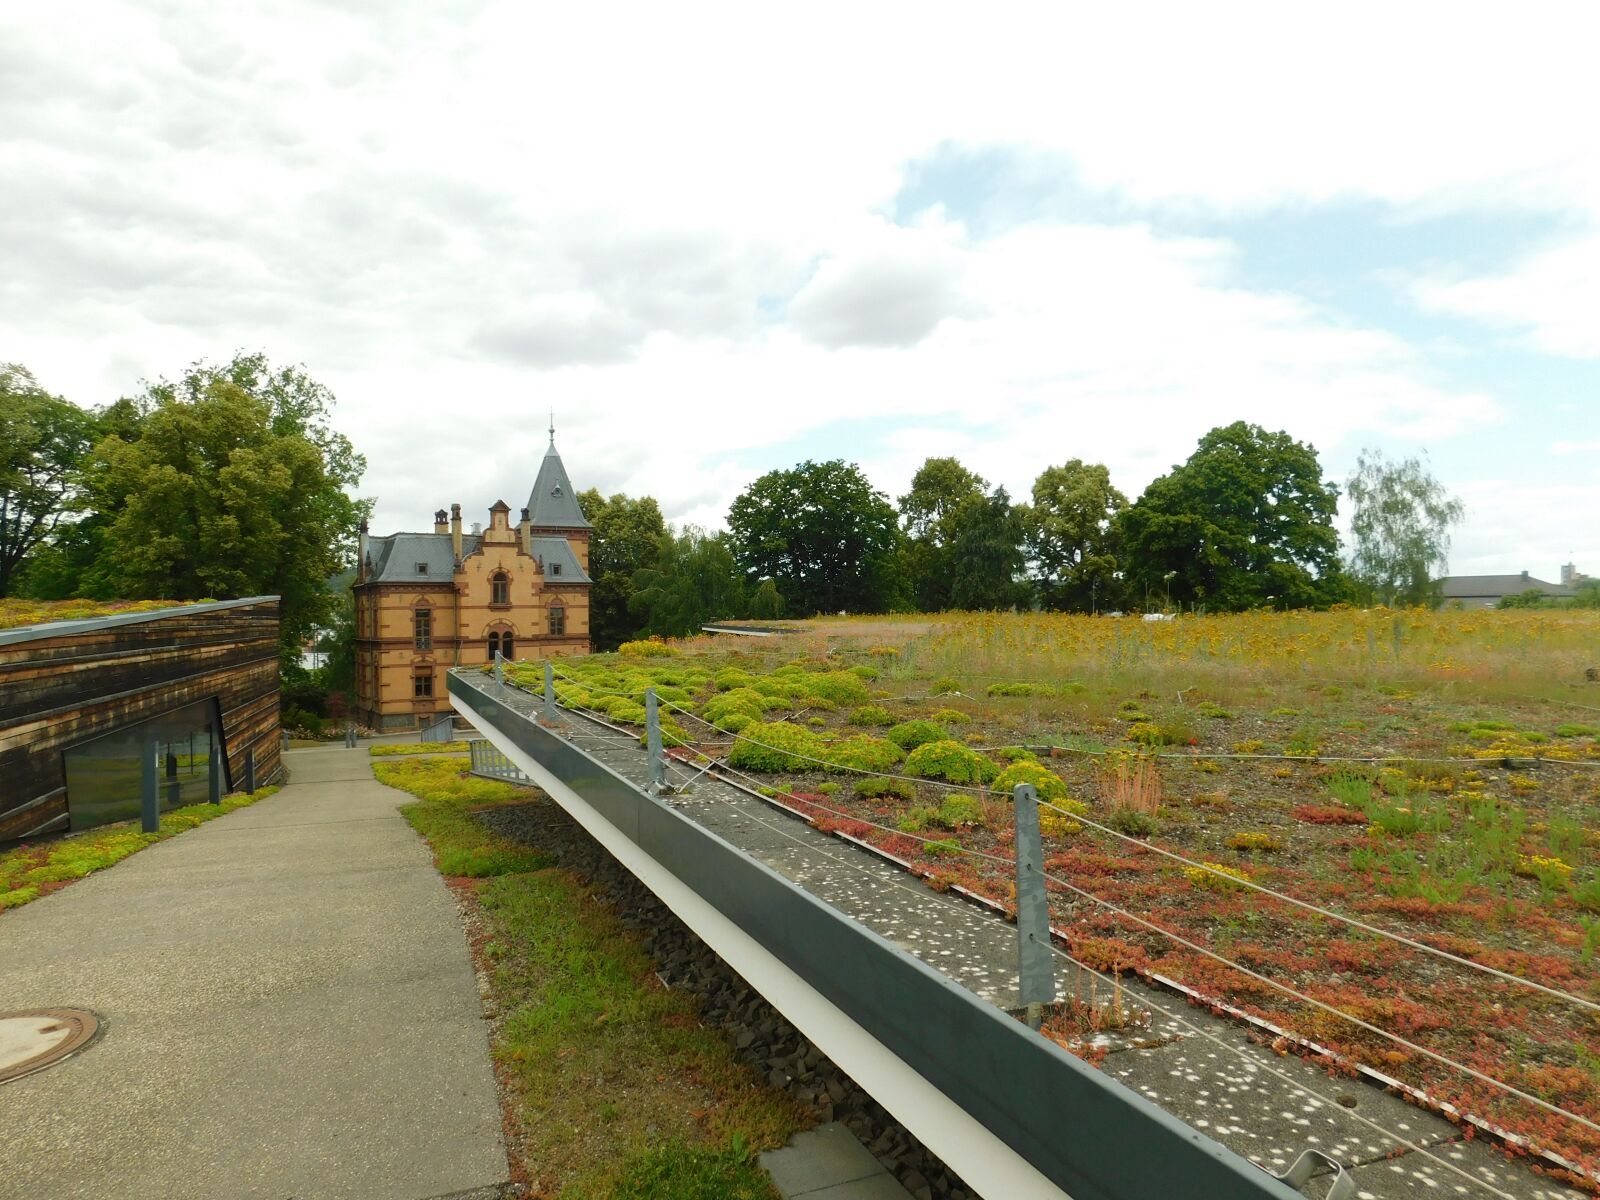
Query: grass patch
column 27, row 869
column 677, row 1172
column 384, row 749
column 619, row 1091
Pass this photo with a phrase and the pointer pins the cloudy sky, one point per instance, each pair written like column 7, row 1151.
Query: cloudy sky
column 717, row 240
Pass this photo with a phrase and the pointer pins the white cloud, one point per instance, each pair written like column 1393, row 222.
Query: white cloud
column 891, row 288
column 1512, row 526
column 665, row 223
column 1550, row 298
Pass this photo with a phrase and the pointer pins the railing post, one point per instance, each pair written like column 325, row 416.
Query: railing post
column 214, row 769
column 499, row 667
column 350, row 737
column 174, row 788
column 250, row 770
column 652, row 736
column 1036, row 979
column 549, row 693
column 149, row 801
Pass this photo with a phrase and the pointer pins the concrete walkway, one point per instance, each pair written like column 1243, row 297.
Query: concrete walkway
column 289, row 1012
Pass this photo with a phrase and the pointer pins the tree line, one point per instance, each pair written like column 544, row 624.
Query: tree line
column 226, row 482
column 1247, row 521
column 229, row 481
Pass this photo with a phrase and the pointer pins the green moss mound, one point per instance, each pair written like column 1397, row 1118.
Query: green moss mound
column 776, row 746
column 1047, row 783
column 951, row 761
column 908, row 735
column 863, row 753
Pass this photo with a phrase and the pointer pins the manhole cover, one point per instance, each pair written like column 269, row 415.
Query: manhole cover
column 41, row 1037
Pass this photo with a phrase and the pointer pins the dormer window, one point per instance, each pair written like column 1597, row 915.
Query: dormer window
column 500, row 588
column 555, row 568
column 556, row 491
column 422, row 568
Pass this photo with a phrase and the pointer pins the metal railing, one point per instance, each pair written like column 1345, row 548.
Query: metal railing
column 488, row 761
column 959, row 1047
column 442, row 730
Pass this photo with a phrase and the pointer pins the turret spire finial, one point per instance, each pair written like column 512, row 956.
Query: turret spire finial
column 552, row 427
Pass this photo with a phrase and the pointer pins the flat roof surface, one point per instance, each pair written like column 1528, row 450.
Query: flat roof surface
column 50, row 629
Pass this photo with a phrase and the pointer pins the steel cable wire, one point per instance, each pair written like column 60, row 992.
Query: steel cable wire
column 1294, row 993
column 1332, row 914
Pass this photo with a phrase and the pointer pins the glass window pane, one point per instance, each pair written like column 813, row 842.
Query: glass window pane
column 104, row 777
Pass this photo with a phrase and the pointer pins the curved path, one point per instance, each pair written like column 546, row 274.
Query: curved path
column 289, row 1011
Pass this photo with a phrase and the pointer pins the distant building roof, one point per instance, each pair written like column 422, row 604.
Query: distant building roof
column 560, row 563
column 1480, row 587
column 429, row 558
column 415, row 557
column 553, row 504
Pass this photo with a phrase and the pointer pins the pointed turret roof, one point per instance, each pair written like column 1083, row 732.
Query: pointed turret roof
column 553, row 504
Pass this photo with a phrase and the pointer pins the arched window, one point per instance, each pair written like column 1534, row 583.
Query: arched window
column 494, row 644
column 558, row 620
column 505, row 646
column 500, row 588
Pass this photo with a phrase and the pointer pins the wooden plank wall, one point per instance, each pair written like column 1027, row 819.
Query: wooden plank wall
column 58, row 691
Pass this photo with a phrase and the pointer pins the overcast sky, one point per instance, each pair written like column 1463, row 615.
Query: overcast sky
column 719, row 240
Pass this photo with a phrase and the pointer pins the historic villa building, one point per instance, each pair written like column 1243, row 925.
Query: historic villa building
column 426, row 602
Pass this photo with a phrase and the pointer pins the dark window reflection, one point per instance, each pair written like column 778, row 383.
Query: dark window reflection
column 103, row 777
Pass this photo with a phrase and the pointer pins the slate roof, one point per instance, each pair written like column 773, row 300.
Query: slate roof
column 558, row 552
column 1466, row 587
column 395, row 558
column 553, row 504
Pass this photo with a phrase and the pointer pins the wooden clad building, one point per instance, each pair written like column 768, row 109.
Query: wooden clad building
column 79, row 698
column 426, row 602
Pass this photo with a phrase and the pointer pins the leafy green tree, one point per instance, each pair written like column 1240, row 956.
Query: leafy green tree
column 1246, row 521
column 694, row 579
column 297, row 406
column 929, row 511
column 338, row 640
column 985, row 553
column 822, row 533
column 1401, row 527
column 233, row 486
column 626, row 540
column 1072, row 536
column 1529, row 598
column 1587, row 594
column 43, row 443
column 765, row 603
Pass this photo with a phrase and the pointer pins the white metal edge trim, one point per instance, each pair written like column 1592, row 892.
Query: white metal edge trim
column 976, row 1154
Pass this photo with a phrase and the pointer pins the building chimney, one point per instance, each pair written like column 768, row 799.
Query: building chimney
column 1524, row 577
column 525, row 532
column 361, row 551
column 455, row 531
column 441, row 523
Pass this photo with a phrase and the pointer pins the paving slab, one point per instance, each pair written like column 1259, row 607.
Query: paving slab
column 828, row 1163
column 289, row 1011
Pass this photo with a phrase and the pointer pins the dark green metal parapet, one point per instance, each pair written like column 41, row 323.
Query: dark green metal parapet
column 1080, row 1129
